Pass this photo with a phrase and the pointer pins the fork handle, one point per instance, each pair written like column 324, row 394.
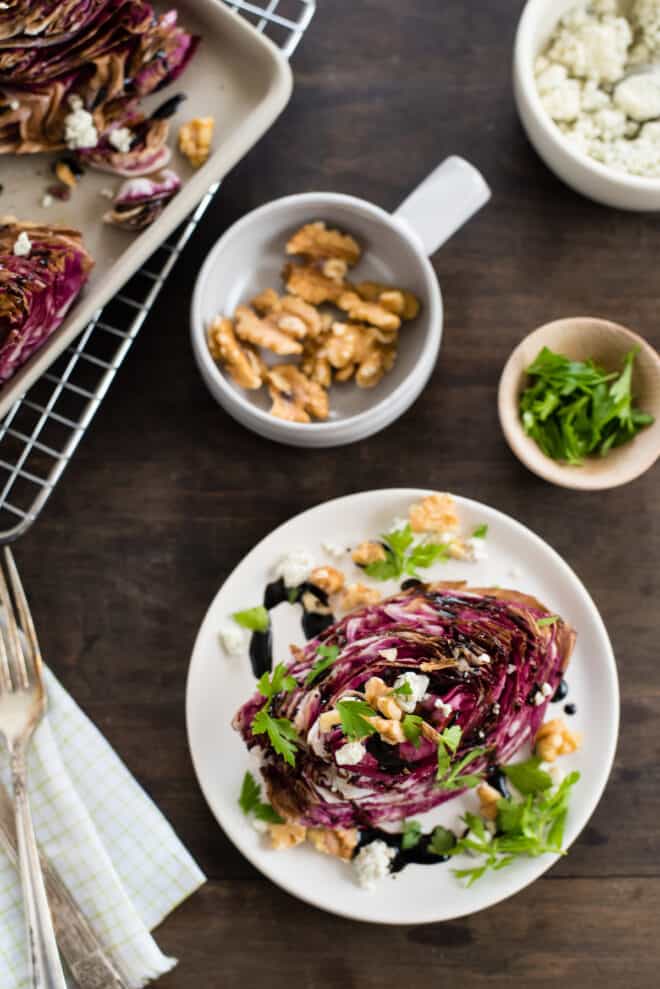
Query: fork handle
column 45, row 965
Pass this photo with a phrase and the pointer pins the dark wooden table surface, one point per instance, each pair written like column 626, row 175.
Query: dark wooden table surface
column 167, row 494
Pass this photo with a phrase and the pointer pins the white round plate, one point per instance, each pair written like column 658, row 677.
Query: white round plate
column 218, row 684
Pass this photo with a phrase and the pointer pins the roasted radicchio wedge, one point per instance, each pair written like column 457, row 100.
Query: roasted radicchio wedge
column 99, row 55
column 37, row 286
column 481, row 665
column 140, row 201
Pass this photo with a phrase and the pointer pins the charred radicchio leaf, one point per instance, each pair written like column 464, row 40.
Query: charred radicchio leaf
column 36, row 289
column 108, row 53
column 140, row 201
column 486, row 658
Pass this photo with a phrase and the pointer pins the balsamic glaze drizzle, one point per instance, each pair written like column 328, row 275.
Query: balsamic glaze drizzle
column 313, row 622
column 419, row 855
column 560, row 692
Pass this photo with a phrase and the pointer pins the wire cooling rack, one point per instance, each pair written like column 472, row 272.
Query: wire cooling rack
column 41, row 432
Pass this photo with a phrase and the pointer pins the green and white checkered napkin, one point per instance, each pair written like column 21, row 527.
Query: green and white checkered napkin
column 112, row 847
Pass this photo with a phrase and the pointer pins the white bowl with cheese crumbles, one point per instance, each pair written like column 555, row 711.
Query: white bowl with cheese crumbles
column 243, row 372
column 585, row 105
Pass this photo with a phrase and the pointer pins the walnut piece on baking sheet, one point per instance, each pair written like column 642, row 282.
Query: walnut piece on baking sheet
column 241, row 362
column 316, row 241
column 195, row 140
column 296, row 397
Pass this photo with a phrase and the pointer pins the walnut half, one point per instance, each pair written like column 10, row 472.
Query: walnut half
column 295, row 397
column 316, row 241
column 242, row 363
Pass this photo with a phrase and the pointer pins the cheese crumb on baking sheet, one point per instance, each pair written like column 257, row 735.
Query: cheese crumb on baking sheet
column 79, row 128
column 22, row 245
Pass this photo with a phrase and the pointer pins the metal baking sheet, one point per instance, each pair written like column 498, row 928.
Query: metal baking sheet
column 237, row 76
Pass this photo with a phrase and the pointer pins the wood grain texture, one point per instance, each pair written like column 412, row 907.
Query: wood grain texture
column 167, row 494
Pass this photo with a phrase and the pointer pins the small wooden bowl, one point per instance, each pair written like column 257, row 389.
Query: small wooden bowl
column 580, row 338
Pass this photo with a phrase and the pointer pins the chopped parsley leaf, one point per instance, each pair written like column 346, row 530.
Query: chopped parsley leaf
column 531, row 827
column 250, row 802
column 281, row 734
column 411, row 834
column 327, row 656
column 353, row 714
column 442, row 841
column 256, row 619
column 412, row 728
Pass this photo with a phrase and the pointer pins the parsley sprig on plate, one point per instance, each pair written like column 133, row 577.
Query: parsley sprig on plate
column 328, row 655
column 531, row 826
column 281, row 732
column 353, row 714
column 250, row 802
column 449, row 775
column 575, row 408
column 255, row 619
column 402, row 556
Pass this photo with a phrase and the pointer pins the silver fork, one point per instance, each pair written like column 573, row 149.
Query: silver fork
column 22, row 706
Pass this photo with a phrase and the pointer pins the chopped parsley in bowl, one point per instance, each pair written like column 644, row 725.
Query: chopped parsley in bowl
column 574, row 409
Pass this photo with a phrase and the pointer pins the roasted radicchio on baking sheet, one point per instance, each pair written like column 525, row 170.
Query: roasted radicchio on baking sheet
column 39, row 280
column 72, row 74
column 139, row 201
column 489, row 661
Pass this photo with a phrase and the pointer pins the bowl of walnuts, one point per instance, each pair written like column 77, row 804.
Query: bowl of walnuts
column 317, row 319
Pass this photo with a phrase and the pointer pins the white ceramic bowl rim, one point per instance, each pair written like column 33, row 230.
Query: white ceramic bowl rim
column 433, row 315
column 524, row 56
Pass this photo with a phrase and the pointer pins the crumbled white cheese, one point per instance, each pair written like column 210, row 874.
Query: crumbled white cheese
column 496, row 708
column 483, row 659
column 591, row 45
column 294, row 568
column 259, row 825
column 350, row 754
column 477, row 549
column 538, row 698
column 79, row 128
column 511, row 668
column 638, row 96
column 389, row 654
column 563, row 102
column 121, row 138
column 14, row 105
column 47, row 200
column 587, row 83
column 372, row 863
column 546, row 690
column 22, row 245
column 418, row 684
column 232, row 640
column 444, row 709
column 333, row 549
